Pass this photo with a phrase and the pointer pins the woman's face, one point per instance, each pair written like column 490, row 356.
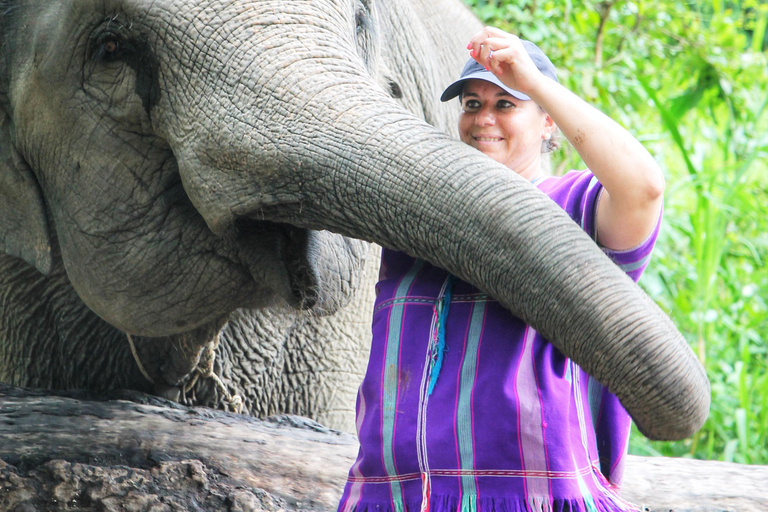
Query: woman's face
column 503, row 127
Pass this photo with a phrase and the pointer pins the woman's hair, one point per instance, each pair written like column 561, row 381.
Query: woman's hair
column 552, row 143
column 548, row 146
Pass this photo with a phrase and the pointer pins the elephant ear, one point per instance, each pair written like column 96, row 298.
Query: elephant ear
column 23, row 220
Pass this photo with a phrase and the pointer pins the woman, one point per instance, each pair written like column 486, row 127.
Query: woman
column 464, row 406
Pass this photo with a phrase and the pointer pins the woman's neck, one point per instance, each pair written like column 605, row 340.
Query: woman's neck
column 531, row 171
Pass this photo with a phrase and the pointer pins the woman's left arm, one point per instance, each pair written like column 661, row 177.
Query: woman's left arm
column 631, row 201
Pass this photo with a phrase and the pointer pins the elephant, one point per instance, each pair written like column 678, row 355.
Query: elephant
column 189, row 190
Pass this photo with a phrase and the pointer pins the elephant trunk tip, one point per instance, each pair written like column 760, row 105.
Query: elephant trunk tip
column 679, row 422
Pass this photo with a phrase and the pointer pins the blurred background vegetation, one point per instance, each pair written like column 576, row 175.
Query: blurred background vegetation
column 690, row 79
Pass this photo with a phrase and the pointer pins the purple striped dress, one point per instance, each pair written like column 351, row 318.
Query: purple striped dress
column 511, row 425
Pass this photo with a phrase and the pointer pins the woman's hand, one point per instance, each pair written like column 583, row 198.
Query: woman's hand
column 505, row 56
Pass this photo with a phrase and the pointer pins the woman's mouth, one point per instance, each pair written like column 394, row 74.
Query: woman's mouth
column 488, row 139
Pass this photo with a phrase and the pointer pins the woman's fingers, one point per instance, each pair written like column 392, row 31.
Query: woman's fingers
column 486, row 33
column 479, row 46
column 484, row 54
column 499, row 59
column 485, row 46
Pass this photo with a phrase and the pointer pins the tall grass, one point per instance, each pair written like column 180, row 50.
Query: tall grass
column 710, row 273
column 689, row 80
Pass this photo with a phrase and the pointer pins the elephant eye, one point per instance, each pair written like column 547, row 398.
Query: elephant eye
column 109, row 49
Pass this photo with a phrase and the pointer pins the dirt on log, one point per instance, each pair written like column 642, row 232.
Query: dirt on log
column 131, row 452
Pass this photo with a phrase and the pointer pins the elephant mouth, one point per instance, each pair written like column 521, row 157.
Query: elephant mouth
column 302, row 271
column 279, row 256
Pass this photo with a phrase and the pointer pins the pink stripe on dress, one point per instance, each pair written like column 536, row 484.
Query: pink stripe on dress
column 356, row 489
column 531, row 432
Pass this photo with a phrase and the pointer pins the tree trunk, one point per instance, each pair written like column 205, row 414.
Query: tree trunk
column 129, row 451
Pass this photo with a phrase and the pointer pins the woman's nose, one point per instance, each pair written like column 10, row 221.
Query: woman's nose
column 485, row 117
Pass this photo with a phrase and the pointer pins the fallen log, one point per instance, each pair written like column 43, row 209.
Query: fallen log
column 129, row 451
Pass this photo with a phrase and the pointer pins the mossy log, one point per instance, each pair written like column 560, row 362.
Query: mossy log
column 131, row 452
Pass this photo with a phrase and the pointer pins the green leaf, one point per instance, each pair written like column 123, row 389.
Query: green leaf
column 708, row 80
column 670, row 122
column 758, row 34
column 741, row 429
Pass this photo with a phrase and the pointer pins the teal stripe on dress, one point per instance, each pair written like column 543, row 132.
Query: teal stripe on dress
column 464, row 409
column 391, row 378
column 589, row 500
column 629, row 267
column 595, row 394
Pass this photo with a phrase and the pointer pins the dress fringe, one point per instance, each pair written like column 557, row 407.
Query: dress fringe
column 470, row 503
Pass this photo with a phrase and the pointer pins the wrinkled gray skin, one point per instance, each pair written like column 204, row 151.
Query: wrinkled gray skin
column 169, row 166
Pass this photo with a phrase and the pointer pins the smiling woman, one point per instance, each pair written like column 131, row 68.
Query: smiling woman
column 464, row 406
column 502, row 122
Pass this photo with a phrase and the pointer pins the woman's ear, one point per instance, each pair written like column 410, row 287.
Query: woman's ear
column 549, row 127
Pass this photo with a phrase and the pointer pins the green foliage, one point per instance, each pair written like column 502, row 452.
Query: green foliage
column 689, row 80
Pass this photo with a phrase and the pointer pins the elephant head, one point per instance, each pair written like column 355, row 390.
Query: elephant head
column 185, row 159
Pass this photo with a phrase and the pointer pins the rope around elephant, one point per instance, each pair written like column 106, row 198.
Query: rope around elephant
column 203, row 369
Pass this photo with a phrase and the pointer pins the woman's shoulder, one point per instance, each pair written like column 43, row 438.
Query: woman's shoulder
column 576, row 192
column 571, row 179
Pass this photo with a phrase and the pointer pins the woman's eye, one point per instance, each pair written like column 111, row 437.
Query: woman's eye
column 504, row 104
column 471, row 105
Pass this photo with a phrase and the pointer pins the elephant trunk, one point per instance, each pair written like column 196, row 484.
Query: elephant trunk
column 332, row 151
